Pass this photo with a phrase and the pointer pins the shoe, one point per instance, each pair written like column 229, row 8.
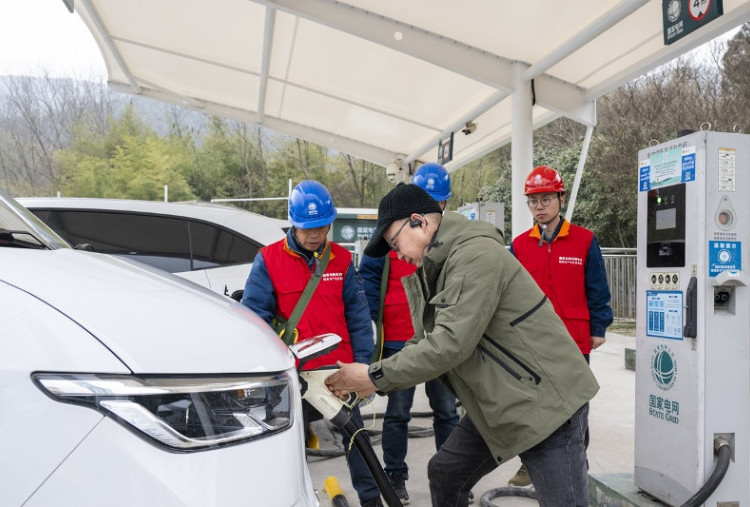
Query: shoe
column 399, row 486
column 372, row 502
column 521, row 479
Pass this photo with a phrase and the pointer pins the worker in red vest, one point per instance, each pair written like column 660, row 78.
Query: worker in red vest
column 565, row 261
column 393, row 316
column 279, row 276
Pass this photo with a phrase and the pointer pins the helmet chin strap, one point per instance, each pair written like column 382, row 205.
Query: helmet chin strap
column 545, row 224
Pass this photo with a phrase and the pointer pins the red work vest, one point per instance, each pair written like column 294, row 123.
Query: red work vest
column 559, row 269
column 397, row 325
column 324, row 313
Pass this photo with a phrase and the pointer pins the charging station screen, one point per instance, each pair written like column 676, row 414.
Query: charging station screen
column 665, row 233
column 666, row 218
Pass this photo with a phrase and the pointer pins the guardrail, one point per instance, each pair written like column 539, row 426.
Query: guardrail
column 621, row 267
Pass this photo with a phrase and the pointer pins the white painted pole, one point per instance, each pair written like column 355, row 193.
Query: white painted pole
column 521, row 152
column 579, row 174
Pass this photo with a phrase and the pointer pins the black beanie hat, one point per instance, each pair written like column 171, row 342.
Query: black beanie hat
column 401, row 202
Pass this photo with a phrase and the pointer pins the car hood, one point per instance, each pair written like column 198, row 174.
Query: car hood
column 154, row 323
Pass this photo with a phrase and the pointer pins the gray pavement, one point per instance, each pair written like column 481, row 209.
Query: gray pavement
column 611, row 450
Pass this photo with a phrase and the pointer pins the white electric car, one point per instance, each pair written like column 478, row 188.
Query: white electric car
column 210, row 244
column 123, row 386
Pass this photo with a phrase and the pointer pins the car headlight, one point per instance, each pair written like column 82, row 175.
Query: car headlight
column 182, row 413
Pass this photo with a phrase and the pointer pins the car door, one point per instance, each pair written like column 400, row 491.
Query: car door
column 225, row 257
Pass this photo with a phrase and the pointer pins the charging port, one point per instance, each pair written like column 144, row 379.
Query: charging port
column 723, row 298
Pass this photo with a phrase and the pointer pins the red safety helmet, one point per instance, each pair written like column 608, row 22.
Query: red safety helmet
column 543, row 179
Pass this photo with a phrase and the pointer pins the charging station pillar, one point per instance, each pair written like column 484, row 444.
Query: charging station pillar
column 693, row 316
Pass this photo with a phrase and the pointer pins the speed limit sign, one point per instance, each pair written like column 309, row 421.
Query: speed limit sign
column 698, row 8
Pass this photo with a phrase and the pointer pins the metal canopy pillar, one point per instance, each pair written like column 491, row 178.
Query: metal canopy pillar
column 521, row 152
column 579, row 174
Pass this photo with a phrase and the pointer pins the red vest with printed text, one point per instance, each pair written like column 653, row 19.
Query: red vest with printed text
column 397, row 325
column 324, row 313
column 559, row 269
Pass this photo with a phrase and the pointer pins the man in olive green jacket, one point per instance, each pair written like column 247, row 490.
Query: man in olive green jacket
column 483, row 325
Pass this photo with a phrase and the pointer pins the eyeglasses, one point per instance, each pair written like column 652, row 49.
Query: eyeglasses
column 533, row 202
column 390, row 243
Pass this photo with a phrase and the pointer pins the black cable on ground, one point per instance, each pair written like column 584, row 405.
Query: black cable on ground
column 507, row 491
column 413, row 431
column 723, row 450
column 324, row 453
column 376, row 437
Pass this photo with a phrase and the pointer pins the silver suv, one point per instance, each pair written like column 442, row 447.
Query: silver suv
column 209, row 244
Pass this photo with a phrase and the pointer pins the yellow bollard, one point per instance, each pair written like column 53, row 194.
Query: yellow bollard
column 333, row 488
column 312, row 440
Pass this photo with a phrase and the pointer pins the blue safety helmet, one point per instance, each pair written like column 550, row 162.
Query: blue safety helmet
column 435, row 180
column 311, row 205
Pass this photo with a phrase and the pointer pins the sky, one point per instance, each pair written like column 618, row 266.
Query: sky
column 42, row 35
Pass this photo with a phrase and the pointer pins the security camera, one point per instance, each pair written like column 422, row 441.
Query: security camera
column 396, row 172
column 391, row 171
column 469, row 128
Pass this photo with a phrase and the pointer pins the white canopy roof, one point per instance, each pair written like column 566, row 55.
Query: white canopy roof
column 386, row 79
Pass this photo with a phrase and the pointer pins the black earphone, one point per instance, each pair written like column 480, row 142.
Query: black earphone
column 415, row 222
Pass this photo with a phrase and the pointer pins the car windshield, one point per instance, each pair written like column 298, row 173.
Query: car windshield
column 19, row 228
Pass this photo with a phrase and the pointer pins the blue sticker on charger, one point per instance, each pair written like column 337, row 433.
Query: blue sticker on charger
column 724, row 256
column 664, row 310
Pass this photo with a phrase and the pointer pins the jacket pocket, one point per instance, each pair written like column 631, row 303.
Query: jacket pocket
column 520, row 365
column 503, row 393
column 499, row 361
column 449, row 296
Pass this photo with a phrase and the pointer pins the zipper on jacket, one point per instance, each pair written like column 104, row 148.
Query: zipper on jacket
column 537, row 379
column 499, row 361
column 526, row 315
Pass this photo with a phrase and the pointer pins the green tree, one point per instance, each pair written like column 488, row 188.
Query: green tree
column 128, row 161
column 735, row 82
column 356, row 183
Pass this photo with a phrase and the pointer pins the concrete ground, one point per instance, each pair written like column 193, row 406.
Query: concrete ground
column 611, row 422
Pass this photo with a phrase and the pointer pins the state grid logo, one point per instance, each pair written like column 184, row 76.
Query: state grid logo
column 663, row 367
column 673, row 11
column 348, row 232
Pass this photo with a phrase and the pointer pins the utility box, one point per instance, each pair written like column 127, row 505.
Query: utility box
column 351, row 227
column 693, row 317
column 491, row 212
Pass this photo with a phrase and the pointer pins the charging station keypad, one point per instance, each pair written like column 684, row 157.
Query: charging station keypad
column 669, row 280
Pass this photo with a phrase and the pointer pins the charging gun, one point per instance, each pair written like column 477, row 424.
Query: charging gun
column 317, row 394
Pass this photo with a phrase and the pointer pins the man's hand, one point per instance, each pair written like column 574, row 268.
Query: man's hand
column 596, row 341
column 351, row 378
